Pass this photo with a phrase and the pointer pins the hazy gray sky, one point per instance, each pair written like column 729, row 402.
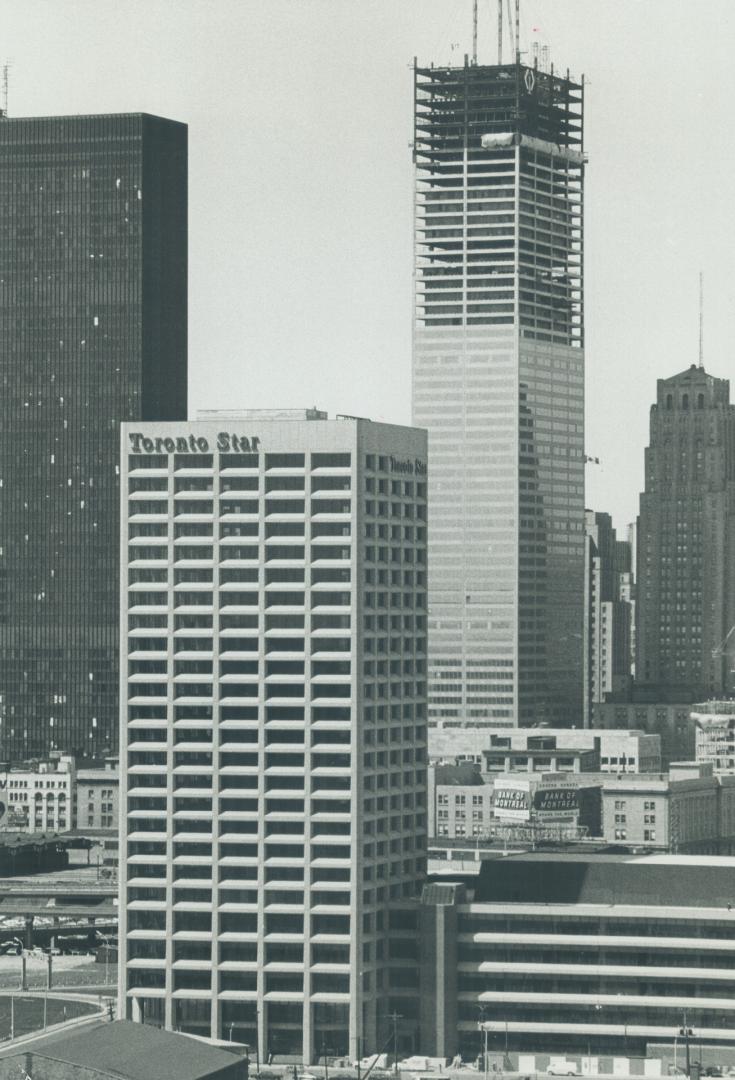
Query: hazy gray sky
column 300, row 184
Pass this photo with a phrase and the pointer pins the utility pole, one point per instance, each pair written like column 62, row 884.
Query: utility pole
column 394, row 1017
column 687, row 1032
column 257, row 1040
column 500, row 32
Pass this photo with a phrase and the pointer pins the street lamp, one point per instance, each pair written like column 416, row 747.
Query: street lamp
column 687, row 1033
column 481, row 1029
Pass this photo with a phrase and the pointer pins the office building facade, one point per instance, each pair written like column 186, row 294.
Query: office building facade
column 93, row 270
column 686, row 543
column 273, row 727
column 581, row 955
column 609, row 614
column 498, row 379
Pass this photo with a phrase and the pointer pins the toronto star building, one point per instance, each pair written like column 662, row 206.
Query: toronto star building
column 93, row 262
column 273, row 728
column 498, row 380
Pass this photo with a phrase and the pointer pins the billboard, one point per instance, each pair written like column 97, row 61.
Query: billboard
column 556, row 800
column 16, row 818
column 512, row 801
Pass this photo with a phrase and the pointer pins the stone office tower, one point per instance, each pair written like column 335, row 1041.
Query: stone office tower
column 498, row 380
column 686, row 542
column 93, row 280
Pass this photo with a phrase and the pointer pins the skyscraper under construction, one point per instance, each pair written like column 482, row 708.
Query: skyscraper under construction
column 498, row 379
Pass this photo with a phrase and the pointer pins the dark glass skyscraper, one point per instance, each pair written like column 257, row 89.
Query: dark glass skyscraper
column 93, row 283
column 685, row 643
column 498, row 380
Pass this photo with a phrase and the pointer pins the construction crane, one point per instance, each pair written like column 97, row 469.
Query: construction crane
column 720, row 649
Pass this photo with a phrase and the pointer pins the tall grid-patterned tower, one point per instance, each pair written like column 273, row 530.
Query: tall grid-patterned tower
column 93, row 271
column 273, row 730
column 498, row 380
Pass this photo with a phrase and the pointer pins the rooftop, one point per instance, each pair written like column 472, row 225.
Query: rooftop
column 261, row 414
column 128, row 1050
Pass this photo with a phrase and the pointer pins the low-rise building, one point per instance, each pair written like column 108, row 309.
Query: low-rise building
column 672, row 723
column 460, row 801
column 620, row 750
column 39, row 796
column 57, row 796
column 674, row 811
column 122, row 1050
column 687, row 809
column 98, row 797
column 579, row 953
column 714, row 723
column 539, row 753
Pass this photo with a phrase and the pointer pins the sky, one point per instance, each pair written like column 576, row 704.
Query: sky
column 300, row 199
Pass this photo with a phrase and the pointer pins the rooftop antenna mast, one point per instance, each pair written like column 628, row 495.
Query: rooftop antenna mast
column 500, row 32
column 510, row 27
column 474, row 31
column 518, row 31
column 701, row 319
column 6, row 84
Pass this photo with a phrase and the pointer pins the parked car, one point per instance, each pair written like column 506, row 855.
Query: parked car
column 563, row 1068
column 712, row 1070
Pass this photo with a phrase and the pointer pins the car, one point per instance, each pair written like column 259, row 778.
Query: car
column 563, row 1068
column 712, row 1070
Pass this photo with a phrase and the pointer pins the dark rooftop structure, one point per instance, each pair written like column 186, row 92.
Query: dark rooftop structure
column 607, row 878
column 122, row 1049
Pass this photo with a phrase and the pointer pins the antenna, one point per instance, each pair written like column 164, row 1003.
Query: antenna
column 518, row 31
column 510, row 27
column 6, row 83
column 701, row 319
column 474, row 31
column 500, row 32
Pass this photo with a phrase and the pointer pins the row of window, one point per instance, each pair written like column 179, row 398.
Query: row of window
column 193, row 460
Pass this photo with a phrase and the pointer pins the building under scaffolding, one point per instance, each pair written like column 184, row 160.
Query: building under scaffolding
column 499, row 383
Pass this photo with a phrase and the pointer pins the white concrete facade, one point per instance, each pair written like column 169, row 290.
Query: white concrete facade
column 273, row 724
